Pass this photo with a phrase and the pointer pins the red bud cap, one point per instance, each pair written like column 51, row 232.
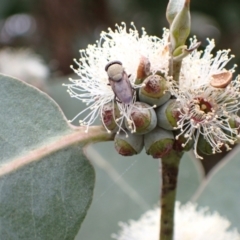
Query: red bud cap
column 221, row 80
column 143, row 70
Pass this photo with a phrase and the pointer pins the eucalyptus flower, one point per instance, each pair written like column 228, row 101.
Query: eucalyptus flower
column 190, row 223
column 127, row 46
column 207, row 99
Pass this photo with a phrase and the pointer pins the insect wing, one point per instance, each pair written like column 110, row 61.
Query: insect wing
column 122, row 89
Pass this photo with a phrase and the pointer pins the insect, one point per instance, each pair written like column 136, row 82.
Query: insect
column 119, row 81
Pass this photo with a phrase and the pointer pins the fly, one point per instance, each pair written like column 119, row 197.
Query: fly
column 119, row 81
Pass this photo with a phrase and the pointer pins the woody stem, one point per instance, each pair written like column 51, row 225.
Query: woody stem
column 169, row 173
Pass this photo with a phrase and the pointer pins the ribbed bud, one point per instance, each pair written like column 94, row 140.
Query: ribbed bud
column 182, row 144
column 110, row 113
column 180, row 27
column 168, row 115
column 143, row 70
column 158, row 143
column 154, row 91
column 142, row 118
column 128, row 145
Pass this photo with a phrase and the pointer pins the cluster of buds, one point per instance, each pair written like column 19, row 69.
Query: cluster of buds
column 141, row 126
column 157, row 92
column 165, row 117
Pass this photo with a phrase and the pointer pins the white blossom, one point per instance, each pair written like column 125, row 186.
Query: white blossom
column 122, row 44
column 205, row 111
column 190, row 224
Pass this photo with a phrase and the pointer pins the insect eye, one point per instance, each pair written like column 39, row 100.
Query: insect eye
column 111, row 63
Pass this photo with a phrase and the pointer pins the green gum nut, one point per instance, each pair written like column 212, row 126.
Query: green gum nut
column 159, row 142
column 143, row 118
column 110, row 113
column 154, row 91
column 203, row 146
column 128, row 145
column 168, row 115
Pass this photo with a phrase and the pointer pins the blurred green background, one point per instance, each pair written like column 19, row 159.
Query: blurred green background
column 57, row 29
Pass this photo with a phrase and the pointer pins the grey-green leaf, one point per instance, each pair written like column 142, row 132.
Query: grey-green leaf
column 45, row 189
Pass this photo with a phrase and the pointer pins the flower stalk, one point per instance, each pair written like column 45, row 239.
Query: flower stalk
column 169, row 172
column 179, row 19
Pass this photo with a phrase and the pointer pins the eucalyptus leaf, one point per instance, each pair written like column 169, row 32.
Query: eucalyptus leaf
column 221, row 189
column 46, row 182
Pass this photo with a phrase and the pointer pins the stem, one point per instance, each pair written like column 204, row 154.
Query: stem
column 176, row 69
column 169, row 172
column 174, row 65
column 49, row 146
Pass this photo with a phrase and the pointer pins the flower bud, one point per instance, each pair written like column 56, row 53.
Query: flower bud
column 143, row 70
column 128, row 145
column 158, row 143
column 142, row 118
column 180, row 27
column 168, row 115
column 110, row 113
column 154, row 91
